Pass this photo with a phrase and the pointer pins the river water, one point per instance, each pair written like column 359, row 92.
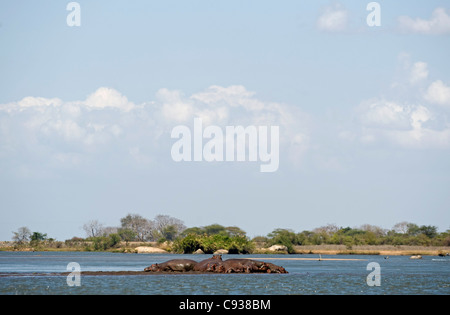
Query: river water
column 398, row 275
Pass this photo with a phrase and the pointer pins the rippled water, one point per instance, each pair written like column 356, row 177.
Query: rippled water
column 399, row 275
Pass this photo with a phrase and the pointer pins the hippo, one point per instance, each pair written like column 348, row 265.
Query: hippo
column 213, row 264
column 175, row 265
column 217, row 265
column 251, row 266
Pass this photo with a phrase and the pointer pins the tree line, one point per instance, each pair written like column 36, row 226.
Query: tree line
column 403, row 233
column 170, row 230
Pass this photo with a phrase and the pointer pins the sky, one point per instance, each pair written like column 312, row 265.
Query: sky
column 87, row 112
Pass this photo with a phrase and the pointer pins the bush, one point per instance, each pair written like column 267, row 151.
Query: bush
column 187, row 245
column 210, row 243
column 283, row 237
column 101, row 243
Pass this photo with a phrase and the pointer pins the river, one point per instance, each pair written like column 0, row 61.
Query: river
column 397, row 275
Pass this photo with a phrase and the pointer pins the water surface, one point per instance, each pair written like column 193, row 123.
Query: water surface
column 399, row 275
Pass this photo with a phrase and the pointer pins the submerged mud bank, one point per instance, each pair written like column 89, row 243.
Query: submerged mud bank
column 98, row 273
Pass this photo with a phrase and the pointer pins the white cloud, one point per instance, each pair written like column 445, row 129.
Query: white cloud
column 439, row 23
column 409, row 126
column 30, row 102
column 174, row 108
column 234, row 96
column 106, row 125
column 407, row 121
column 333, row 19
column 108, row 98
column 419, row 72
column 384, row 113
column 438, row 93
column 410, row 73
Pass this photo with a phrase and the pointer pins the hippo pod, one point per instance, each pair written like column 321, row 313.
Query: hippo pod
column 174, row 265
column 217, row 265
column 251, row 266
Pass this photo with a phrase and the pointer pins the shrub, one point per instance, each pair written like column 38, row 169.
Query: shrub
column 210, row 243
column 186, row 245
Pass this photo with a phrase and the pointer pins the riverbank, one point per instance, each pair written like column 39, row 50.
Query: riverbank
column 134, row 247
column 384, row 250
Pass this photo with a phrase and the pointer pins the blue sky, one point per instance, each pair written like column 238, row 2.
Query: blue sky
column 86, row 113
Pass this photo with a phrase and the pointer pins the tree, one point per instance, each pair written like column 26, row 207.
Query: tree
column 284, row 237
column 138, row 224
column 401, row 227
column 412, row 229
column 169, row 232
column 378, row 231
column 106, row 231
column 93, row 228
column 214, row 229
column 37, row 237
column 429, row 230
column 235, row 231
column 162, row 223
column 329, row 229
column 193, row 230
column 126, row 235
column 22, row 235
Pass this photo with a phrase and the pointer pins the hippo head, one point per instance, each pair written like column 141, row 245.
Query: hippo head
column 217, row 256
column 153, row 267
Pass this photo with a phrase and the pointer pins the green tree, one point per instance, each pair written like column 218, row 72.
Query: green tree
column 187, row 244
column 412, row 229
column 193, row 230
column 169, row 232
column 234, row 231
column 37, row 237
column 429, row 231
column 284, row 237
column 126, row 235
column 215, row 229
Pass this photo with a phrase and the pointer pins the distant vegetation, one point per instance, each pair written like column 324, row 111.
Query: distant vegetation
column 176, row 237
column 212, row 238
column 401, row 234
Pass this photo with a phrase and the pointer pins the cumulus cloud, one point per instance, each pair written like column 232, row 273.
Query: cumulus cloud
column 389, row 114
column 419, row 72
column 108, row 98
column 106, row 125
column 235, row 105
column 410, row 73
column 29, row 102
column 408, row 121
column 409, row 126
column 334, row 18
column 438, row 24
column 438, row 93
